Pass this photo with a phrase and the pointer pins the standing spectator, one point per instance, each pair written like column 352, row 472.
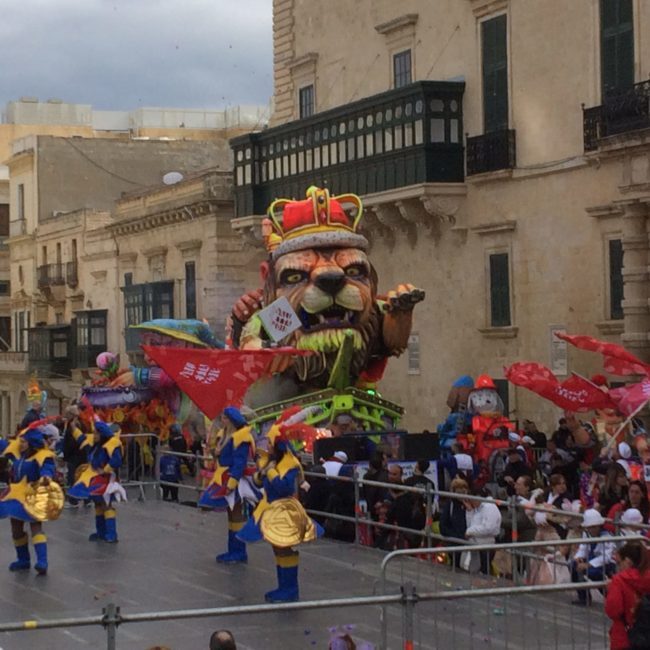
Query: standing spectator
column 637, row 498
column 373, row 494
column 75, row 445
column 625, row 591
column 531, row 430
column 453, row 517
column 592, row 561
column 561, row 434
column 615, row 490
column 33, row 414
column 526, row 527
column 515, row 467
column 170, row 472
column 419, row 477
column 222, row 640
column 483, row 526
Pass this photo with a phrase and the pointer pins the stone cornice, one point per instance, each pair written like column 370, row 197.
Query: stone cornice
column 160, row 219
column 481, row 8
column 189, row 245
column 493, row 228
column 390, row 27
column 128, row 258
column 309, row 59
column 605, row 211
column 154, row 251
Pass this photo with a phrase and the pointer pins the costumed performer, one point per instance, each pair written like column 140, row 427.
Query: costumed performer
column 231, row 486
column 32, row 496
column 279, row 517
column 98, row 480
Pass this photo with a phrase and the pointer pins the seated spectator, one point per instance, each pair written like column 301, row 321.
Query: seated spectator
column 552, row 450
column 630, row 522
column 483, row 525
column 526, row 528
column 561, row 434
column 453, row 518
column 592, row 561
column 558, row 499
column 625, row 591
column 222, row 640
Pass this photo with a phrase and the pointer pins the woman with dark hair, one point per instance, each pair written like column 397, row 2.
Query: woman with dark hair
column 625, row 591
column 615, row 489
column 637, row 498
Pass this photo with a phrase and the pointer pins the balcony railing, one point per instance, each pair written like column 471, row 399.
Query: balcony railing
column 402, row 137
column 51, row 350
column 621, row 112
column 50, row 275
column 71, row 277
column 491, row 152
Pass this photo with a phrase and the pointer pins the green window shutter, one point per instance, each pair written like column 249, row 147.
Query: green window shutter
column 495, row 73
column 615, row 279
column 616, row 45
column 499, row 290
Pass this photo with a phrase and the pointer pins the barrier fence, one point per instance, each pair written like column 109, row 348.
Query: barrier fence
column 407, row 598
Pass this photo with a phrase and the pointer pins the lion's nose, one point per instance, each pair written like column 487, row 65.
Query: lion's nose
column 330, row 283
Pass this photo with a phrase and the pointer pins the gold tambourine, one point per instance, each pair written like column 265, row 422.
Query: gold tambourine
column 285, row 523
column 44, row 502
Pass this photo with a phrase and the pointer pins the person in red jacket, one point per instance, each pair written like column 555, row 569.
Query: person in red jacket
column 625, row 590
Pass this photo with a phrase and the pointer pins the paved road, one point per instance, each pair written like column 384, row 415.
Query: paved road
column 165, row 561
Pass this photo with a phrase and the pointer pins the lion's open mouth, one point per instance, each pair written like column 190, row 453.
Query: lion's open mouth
column 333, row 317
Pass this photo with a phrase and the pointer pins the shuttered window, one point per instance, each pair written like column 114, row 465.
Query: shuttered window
column 615, row 279
column 495, row 74
column 306, row 101
column 616, row 45
column 499, row 290
column 402, row 69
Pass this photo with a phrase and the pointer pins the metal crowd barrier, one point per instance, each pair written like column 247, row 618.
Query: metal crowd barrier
column 138, row 465
column 408, row 597
column 507, row 592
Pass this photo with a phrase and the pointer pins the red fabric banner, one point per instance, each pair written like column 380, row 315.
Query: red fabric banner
column 632, row 397
column 618, row 361
column 574, row 394
column 214, row 379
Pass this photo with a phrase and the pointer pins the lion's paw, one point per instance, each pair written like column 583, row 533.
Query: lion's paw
column 403, row 298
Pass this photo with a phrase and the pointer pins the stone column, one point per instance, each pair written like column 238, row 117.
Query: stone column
column 636, row 257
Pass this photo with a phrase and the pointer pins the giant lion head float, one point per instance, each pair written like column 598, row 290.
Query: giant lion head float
column 318, row 260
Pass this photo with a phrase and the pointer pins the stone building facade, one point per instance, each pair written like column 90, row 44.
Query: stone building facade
column 501, row 149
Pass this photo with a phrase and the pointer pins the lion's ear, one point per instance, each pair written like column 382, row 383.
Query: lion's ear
column 265, row 270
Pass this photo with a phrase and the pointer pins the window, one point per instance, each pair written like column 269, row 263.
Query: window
column 4, row 288
column 128, row 279
column 21, row 202
column 143, row 302
column 190, row 290
column 44, row 255
column 4, row 220
column 90, row 327
column 73, row 250
column 495, row 74
column 22, row 324
column 499, row 290
column 306, row 101
column 502, row 390
column 402, row 69
column 615, row 279
column 616, row 45
column 5, row 333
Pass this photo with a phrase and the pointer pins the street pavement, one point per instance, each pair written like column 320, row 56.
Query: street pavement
column 165, row 561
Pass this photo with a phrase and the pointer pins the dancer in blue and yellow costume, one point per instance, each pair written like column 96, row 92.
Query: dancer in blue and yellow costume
column 32, row 496
column 232, row 487
column 279, row 517
column 98, row 480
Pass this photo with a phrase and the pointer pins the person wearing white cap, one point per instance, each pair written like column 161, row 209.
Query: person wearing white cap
column 592, row 561
column 625, row 453
column 630, row 520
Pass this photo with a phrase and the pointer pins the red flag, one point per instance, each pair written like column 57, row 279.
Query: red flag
column 214, row 379
column 618, row 360
column 574, row 394
column 629, row 399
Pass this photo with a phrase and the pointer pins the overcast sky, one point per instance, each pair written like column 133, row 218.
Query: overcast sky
column 125, row 54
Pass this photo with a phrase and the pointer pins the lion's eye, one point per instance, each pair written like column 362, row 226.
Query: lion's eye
column 355, row 271
column 293, row 277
